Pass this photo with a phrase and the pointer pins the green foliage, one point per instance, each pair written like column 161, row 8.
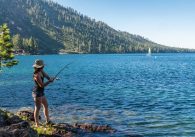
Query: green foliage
column 44, row 130
column 27, row 45
column 6, row 48
column 46, row 27
column 17, row 41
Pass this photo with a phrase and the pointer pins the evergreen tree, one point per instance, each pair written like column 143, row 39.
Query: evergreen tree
column 6, row 48
column 17, row 41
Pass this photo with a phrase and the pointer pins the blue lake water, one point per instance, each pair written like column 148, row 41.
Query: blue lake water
column 134, row 93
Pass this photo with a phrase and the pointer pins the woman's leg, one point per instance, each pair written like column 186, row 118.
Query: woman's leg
column 37, row 101
column 45, row 106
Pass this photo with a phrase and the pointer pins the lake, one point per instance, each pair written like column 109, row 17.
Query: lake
column 134, row 93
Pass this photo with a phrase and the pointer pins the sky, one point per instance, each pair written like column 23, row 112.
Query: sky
column 167, row 22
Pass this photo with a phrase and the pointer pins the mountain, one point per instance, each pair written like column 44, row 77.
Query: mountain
column 45, row 27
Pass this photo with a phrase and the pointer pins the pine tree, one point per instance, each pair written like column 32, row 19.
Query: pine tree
column 17, row 42
column 6, row 48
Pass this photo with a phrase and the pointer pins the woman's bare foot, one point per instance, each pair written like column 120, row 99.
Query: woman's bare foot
column 37, row 125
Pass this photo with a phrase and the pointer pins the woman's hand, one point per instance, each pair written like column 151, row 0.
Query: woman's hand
column 51, row 79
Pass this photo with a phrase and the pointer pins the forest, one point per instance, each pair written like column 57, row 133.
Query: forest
column 45, row 27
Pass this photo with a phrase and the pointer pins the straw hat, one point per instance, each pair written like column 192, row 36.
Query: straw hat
column 38, row 63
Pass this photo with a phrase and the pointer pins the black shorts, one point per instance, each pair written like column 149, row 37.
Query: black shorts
column 38, row 94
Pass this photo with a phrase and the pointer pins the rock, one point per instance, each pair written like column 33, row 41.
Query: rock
column 28, row 114
column 61, row 129
column 69, row 134
column 4, row 133
column 13, row 126
column 2, row 118
column 2, row 121
column 20, row 125
column 16, row 132
column 12, row 120
column 95, row 128
column 64, row 128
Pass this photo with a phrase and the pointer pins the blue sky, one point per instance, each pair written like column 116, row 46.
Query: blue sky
column 168, row 22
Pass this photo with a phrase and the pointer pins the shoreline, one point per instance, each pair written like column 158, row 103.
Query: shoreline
column 22, row 124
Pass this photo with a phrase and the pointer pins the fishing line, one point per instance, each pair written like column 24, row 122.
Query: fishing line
column 66, row 66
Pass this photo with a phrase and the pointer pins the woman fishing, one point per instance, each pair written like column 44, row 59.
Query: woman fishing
column 38, row 92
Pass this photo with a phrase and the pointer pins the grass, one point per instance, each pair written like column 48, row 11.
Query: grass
column 43, row 129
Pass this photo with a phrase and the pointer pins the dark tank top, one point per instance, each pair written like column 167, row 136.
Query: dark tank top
column 38, row 91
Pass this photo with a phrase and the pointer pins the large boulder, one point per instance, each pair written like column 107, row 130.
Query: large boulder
column 13, row 126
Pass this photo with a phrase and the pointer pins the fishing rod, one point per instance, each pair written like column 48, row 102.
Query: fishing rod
column 62, row 69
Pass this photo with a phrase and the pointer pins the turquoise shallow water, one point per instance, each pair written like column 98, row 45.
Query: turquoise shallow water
column 134, row 93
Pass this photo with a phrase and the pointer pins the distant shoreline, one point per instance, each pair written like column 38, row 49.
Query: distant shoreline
column 74, row 53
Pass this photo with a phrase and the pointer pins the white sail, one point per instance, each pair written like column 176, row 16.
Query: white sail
column 149, row 52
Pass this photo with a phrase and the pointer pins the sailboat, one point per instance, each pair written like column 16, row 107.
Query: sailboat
column 149, row 52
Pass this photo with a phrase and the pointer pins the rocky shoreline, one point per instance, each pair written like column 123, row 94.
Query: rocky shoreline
column 22, row 125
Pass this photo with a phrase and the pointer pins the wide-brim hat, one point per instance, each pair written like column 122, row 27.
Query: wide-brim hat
column 38, row 63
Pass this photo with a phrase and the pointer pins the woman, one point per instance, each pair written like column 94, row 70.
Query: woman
column 38, row 92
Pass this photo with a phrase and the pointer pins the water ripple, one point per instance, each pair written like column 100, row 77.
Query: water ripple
column 136, row 94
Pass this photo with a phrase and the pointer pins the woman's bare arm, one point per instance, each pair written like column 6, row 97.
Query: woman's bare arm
column 37, row 77
column 46, row 75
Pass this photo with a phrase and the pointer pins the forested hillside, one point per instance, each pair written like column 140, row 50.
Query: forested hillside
column 44, row 27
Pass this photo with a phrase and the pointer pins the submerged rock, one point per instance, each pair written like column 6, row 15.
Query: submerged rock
column 95, row 128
